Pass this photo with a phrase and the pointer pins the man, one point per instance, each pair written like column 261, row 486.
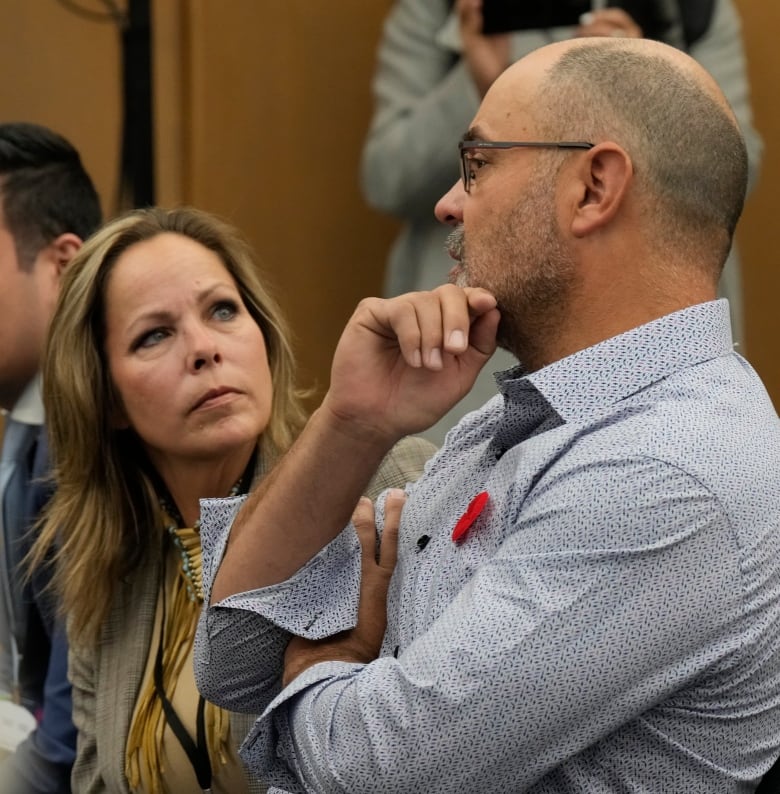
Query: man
column 433, row 66
column 587, row 592
column 48, row 206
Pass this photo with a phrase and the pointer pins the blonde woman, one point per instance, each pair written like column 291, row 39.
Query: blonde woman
column 168, row 378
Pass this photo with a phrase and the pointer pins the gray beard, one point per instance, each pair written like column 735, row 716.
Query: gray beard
column 533, row 294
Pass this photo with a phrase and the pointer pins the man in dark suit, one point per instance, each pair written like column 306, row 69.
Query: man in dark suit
column 48, row 206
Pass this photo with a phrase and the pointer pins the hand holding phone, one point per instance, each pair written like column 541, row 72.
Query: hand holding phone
column 501, row 16
column 486, row 55
column 652, row 17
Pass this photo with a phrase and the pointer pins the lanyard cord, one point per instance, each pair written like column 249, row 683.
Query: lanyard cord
column 197, row 752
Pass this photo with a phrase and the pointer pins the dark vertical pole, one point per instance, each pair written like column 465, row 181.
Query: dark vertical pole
column 137, row 166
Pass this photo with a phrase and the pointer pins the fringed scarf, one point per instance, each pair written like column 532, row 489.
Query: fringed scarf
column 181, row 608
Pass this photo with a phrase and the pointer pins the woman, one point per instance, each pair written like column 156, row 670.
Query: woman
column 168, row 378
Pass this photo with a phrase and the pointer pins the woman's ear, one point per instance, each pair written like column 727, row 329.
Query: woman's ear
column 605, row 175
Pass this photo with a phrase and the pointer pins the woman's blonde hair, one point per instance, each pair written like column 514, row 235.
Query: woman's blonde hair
column 101, row 521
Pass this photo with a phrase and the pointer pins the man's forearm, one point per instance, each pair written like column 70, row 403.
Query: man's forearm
column 399, row 366
column 300, row 507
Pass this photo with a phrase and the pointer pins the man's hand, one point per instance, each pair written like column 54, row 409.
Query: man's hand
column 609, row 22
column 362, row 643
column 402, row 363
column 486, row 56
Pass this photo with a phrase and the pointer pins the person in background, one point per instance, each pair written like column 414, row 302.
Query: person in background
column 587, row 589
column 434, row 66
column 168, row 378
column 48, row 207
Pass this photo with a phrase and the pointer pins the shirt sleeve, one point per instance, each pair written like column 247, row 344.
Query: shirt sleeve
column 240, row 641
column 584, row 617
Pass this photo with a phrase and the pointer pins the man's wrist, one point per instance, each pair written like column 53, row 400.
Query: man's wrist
column 368, row 437
column 302, row 660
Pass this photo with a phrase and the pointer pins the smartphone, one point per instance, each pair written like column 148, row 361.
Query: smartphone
column 502, row 16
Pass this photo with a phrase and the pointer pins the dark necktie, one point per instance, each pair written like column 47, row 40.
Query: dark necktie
column 15, row 472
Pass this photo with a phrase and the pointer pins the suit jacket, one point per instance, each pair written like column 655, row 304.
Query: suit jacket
column 106, row 679
column 42, row 763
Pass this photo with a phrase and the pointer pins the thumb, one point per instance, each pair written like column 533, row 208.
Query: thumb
column 482, row 333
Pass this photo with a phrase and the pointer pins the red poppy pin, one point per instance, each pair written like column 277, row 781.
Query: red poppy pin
column 476, row 506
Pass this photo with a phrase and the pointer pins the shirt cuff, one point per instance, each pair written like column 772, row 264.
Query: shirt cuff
column 259, row 749
column 317, row 601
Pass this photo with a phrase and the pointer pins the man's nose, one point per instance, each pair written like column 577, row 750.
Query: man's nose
column 449, row 208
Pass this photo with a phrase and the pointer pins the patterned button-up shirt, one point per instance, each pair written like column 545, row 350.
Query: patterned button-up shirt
column 610, row 621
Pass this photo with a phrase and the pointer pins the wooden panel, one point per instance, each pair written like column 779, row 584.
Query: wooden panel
column 758, row 227
column 279, row 102
column 63, row 70
column 170, row 75
column 261, row 109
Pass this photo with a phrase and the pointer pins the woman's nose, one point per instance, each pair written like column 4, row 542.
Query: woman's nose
column 203, row 350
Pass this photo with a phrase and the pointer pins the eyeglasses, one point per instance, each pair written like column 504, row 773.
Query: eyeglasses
column 466, row 147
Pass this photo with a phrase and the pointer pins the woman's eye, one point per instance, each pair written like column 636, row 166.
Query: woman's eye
column 151, row 338
column 225, row 310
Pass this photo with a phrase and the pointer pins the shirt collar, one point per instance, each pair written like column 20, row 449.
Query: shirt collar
column 625, row 364
column 29, row 407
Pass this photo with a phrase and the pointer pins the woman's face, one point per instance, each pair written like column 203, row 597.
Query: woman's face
column 187, row 360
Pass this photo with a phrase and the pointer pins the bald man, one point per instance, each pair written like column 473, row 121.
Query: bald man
column 587, row 589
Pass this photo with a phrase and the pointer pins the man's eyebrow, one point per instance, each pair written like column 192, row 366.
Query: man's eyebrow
column 473, row 134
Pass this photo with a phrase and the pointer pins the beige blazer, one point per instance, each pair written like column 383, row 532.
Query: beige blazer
column 106, row 679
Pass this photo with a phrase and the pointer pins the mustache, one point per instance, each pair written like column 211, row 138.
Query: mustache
column 454, row 242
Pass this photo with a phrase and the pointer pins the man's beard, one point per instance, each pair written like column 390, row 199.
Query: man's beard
column 527, row 268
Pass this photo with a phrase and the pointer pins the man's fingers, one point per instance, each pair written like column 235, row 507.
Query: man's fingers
column 425, row 325
column 470, row 16
column 444, row 319
column 459, row 333
column 363, row 521
column 609, row 22
column 388, row 550
column 483, row 333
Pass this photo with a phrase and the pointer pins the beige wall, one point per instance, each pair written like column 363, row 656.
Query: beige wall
column 261, row 108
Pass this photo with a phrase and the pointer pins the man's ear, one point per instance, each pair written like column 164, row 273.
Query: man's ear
column 63, row 249
column 50, row 263
column 605, row 175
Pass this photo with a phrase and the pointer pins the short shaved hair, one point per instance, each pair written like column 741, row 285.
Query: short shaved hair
column 687, row 150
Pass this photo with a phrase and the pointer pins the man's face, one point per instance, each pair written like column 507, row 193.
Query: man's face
column 509, row 240
column 26, row 303
column 517, row 253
